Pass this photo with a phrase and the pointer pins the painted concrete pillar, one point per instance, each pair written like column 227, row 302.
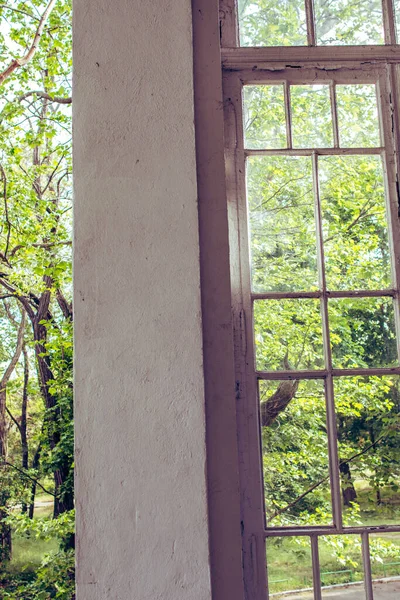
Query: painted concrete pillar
column 142, row 529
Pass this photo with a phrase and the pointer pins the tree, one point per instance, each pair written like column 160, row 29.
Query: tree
column 35, row 253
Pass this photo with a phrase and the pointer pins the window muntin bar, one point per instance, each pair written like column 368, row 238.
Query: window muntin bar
column 389, row 20
column 317, row 530
column 369, row 594
column 310, row 22
column 330, row 293
column 288, row 115
column 323, row 373
column 311, row 151
column 273, row 58
column 316, row 568
column 335, row 121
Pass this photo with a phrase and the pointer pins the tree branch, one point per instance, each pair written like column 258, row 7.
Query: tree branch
column 4, row 178
column 24, row 300
column 17, row 10
column 43, row 245
column 20, row 62
column 321, row 481
column 13, row 418
column 20, row 340
column 46, row 96
column 5, row 462
column 65, row 306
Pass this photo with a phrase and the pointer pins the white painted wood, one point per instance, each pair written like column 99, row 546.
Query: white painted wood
column 384, row 77
column 249, row 435
column 229, row 27
column 278, row 58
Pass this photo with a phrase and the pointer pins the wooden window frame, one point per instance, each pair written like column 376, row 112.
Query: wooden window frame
column 300, row 64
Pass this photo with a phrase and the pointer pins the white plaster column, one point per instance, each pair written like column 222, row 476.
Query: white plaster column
column 142, row 530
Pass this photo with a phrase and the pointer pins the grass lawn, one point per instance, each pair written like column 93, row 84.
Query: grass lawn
column 29, row 552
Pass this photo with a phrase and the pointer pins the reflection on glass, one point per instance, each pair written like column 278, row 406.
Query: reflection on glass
column 311, row 116
column 362, row 332
column 295, row 453
column 354, row 222
column 357, row 116
column 368, row 427
column 288, row 334
column 264, row 116
column 289, row 566
column 385, row 563
column 351, row 22
column 269, row 23
column 341, row 564
column 282, row 224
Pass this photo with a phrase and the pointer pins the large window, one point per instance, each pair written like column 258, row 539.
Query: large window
column 313, row 193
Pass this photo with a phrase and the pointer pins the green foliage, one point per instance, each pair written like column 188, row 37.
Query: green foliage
column 285, row 195
column 43, row 529
column 36, row 277
column 53, row 579
column 55, row 576
column 343, row 22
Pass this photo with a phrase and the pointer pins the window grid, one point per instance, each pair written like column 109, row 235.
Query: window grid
column 236, row 159
column 324, row 294
column 230, row 24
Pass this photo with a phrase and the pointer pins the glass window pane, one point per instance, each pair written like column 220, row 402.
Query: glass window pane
column 385, row 564
column 264, row 116
column 368, row 422
column 271, row 23
column 295, row 453
column 341, row 564
column 357, row 115
column 282, row 224
column 396, row 4
column 354, row 222
column 288, row 334
column 348, row 22
column 289, row 566
column 362, row 332
column 311, row 116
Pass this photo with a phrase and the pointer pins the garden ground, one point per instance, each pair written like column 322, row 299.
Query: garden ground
column 384, row 590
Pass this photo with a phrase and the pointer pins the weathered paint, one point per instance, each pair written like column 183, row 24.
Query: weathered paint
column 219, row 375
column 142, row 530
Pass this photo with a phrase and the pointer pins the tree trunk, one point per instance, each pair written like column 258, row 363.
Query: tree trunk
column 35, row 465
column 5, row 530
column 377, row 489
column 348, row 490
column 277, row 403
column 24, row 419
column 45, row 376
